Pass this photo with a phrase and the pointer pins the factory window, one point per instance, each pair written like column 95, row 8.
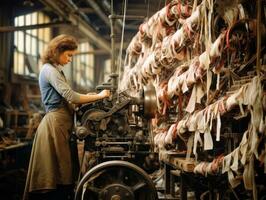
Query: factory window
column 83, row 67
column 29, row 44
column 107, row 70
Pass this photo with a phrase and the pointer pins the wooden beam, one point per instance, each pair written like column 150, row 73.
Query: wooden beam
column 86, row 10
column 79, row 20
column 129, row 17
column 95, row 52
column 35, row 26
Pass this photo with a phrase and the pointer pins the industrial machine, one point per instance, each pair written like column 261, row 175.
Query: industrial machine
column 118, row 138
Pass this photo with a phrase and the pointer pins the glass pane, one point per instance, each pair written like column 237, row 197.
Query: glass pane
column 44, row 46
column 87, row 72
column 16, row 21
column 28, row 19
column 20, row 63
column 76, row 67
column 39, row 65
column 79, row 66
column 34, row 18
column 78, row 77
column 82, row 47
column 90, row 61
column 41, row 34
column 82, row 58
column 34, row 46
column 46, row 34
column 90, row 69
column 34, row 32
column 34, row 21
column 29, row 32
column 20, row 41
column 16, row 38
column 27, row 71
column 28, row 46
column 40, row 18
column 41, row 46
column 20, row 21
column 15, row 62
column 91, row 56
column 107, row 69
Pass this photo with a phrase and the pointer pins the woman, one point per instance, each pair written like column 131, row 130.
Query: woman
column 50, row 169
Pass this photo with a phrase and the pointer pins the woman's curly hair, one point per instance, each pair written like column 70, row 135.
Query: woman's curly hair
column 57, row 46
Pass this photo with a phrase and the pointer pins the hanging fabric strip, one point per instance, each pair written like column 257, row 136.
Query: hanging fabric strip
column 200, row 92
column 192, row 101
column 197, row 139
column 218, row 81
column 209, row 81
column 244, row 148
column 235, row 155
column 208, row 143
column 218, row 126
column 234, row 181
column 249, row 174
column 189, row 146
column 226, row 163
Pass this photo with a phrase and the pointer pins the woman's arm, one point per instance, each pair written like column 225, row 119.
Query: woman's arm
column 62, row 87
column 86, row 98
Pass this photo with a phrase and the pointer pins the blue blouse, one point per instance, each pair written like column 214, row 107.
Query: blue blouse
column 54, row 88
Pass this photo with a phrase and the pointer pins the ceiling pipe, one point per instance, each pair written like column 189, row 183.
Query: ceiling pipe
column 75, row 9
column 130, row 17
column 52, row 5
column 94, row 52
column 99, row 12
column 107, row 5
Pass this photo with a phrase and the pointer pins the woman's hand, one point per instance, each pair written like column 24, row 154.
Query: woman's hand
column 89, row 97
column 105, row 93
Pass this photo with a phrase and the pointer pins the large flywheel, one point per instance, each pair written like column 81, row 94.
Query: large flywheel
column 116, row 180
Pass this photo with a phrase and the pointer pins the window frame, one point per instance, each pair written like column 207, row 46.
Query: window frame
column 83, row 66
column 32, row 46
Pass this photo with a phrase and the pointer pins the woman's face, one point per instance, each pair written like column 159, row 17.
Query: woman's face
column 66, row 57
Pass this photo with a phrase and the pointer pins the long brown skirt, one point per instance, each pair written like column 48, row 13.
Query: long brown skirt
column 50, row 163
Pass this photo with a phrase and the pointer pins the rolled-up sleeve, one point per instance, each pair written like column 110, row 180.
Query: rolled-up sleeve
column 57, row 80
